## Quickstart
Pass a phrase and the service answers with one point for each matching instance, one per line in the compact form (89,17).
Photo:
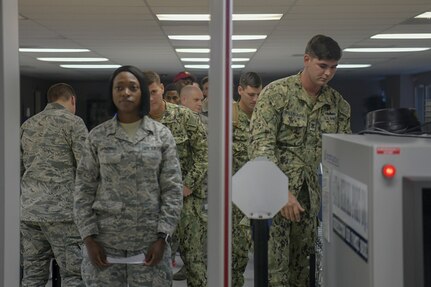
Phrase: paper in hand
(136,259)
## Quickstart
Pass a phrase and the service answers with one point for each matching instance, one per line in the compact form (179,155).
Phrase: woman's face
(126,93)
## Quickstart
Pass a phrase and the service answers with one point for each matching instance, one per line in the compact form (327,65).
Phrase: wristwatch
(166,237)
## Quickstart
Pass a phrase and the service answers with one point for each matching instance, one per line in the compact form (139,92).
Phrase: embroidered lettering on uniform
(330,115)
(150,148)
(293,114)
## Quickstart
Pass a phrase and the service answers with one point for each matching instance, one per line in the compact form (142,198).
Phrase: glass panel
(419,102)
(426,207)
(427,108)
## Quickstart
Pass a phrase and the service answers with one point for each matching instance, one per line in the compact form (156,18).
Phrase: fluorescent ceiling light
(73,59)
(208,66)
(195,59)
(208,37)
(352,66)
(386,50)
(403,36)
(208,59)
(206,50)
(51,50)
(192,50)
(248,37)
(256,17)
(244,50)
(206,17)
(183,17)
(90,66)
(197,66)
(426,15)
(190,37)
(240,59)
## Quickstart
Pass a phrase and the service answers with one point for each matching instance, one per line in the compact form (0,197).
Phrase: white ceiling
(128,32)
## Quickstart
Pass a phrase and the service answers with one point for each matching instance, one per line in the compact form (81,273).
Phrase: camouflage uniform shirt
(127,190)
(51,145)
(192,146)
(287,127)
(240,136)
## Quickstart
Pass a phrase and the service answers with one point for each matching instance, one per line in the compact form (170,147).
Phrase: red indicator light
(389,171)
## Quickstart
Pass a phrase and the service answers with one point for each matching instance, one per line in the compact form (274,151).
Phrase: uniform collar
(55,106)
(114,128)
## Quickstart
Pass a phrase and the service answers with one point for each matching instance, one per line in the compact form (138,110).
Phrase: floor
(248,275)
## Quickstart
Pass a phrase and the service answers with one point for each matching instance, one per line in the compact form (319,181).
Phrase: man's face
(320,72)
(156,96)
(193,100)
(172,97)
(249,97)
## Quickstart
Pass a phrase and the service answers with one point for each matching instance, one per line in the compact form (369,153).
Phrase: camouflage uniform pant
(241,244)
(290,246)
(127,275)
(175,244)
(192,231)
(42,241)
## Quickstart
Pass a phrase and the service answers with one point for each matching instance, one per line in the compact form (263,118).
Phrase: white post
(9,144)
(220,145)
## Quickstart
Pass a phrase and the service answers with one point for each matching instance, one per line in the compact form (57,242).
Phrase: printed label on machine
(351,238)
(350,202)
(350,211)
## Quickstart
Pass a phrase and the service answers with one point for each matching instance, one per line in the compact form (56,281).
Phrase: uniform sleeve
(344,118)
(264,125)
(21,162)
(170,185)
(87,180)
(199,151)
(79,134)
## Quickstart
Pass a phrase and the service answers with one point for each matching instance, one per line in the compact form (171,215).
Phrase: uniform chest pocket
(292,130)
(109,157)
(109,165)
(328,123)
(151,158)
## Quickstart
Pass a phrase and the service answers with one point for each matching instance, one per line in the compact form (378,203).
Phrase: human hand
(96,253)
(186,191)
(292,210)
(155,253)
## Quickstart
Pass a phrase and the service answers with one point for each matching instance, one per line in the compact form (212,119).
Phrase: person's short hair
(60,91)
(323,48)
(184,75)
(145,94)
(170,87)
(250,79)
(152,77)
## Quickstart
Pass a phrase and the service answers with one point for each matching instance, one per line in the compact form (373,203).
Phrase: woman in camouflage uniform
(128,191)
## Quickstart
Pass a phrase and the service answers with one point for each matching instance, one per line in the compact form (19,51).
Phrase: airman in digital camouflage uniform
(128,191)
(287,126)
(51,145)
(192,147)
(249,89)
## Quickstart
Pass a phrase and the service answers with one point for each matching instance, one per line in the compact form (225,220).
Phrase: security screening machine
(259,189)
(376,198)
